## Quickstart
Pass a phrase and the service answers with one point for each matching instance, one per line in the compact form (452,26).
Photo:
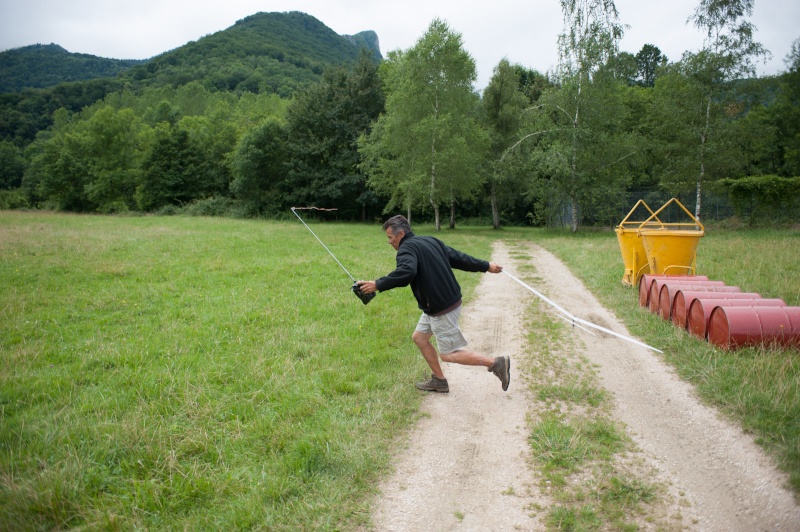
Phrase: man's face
(394,239)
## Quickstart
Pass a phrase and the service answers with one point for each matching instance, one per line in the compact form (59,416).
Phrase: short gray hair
(397,223)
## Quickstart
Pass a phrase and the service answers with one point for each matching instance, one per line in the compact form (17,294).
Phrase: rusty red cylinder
(683,300)
(701,308)
(666,294)
(647,279)
(732,327)
(658,284)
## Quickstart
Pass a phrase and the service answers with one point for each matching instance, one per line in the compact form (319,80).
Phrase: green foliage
(266,52)
(89,164)
(274,53)
(12,165)
(578,164)
(324,124)
(767,198)
(179,168)
(13,199)
(427,147)
(259,168)
(590,141)
(24,114)
(587,148)
(46,65)
(649,62)
(784,113)
(503,102)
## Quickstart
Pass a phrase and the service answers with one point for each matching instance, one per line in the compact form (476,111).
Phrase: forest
(239,125)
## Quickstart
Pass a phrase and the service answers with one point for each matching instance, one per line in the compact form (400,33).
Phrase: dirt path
(467,465)
(469,457)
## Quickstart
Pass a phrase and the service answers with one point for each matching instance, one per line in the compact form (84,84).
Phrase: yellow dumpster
(671,248)
(634,256)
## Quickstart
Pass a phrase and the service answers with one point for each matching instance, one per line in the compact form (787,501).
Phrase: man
(426,263)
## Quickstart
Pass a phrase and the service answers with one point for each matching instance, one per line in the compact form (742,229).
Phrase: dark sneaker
(502,368)
(435,384)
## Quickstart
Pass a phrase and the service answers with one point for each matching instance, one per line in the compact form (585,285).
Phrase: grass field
(758,388)
(174,373)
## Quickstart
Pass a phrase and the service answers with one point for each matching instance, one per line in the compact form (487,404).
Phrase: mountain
(46,65)
(276,52)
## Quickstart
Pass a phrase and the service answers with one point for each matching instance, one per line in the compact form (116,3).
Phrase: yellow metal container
(634,256)
(671,248)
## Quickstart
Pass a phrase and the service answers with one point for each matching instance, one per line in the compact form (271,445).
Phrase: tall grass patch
(171,372)
(757,387)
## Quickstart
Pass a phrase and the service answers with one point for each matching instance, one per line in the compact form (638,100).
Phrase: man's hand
(367,287)
(494,268)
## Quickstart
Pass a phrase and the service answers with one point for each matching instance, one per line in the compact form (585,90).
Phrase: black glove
(365,298)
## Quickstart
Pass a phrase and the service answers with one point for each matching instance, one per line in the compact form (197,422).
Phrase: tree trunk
(495,214)
(574,205)
(452,214)
(703,138)
(437,217)
(699,191)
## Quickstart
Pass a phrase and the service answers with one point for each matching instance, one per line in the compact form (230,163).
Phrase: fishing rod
(575,320)
(365,298)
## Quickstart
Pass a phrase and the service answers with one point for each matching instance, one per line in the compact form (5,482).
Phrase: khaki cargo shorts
(445,329)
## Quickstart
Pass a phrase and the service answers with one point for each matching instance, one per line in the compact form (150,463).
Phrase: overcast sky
(523,31)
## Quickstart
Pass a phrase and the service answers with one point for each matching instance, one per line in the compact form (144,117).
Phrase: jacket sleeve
(468,263)
(402,275)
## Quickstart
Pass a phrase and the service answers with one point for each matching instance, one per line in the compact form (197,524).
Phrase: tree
(12,165)
(648,62)
(323,126)
(503,104)
(259,168)
(785,115)
(113,150)
(429,138)
(792,59)
(176,170)
(580,117)
(59,168)
(87,162)
(729,52)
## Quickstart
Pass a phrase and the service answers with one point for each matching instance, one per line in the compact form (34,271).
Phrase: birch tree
(729,52)
(429,143)
(581,130)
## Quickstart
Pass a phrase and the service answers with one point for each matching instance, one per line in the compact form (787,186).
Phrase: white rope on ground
(575,319)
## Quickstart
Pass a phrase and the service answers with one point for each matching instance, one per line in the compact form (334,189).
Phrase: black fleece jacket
(426,263)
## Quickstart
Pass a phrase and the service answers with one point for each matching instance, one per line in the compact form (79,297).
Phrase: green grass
(196,373)
(757,387)
(178,373)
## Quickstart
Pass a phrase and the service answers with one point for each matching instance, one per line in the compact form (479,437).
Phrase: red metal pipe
(732,327)
(646,280)
(683,300)
(666,294)
(701,308)
(658,284)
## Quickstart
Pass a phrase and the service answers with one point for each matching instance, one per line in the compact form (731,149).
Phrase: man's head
(396,228)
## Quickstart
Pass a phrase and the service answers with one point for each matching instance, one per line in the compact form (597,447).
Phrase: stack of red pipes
(721,314)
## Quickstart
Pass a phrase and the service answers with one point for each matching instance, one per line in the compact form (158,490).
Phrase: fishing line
(365,298)
(294,210)
(575,319)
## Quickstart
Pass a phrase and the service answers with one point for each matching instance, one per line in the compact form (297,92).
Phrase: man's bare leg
(423,342)
(467,358)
